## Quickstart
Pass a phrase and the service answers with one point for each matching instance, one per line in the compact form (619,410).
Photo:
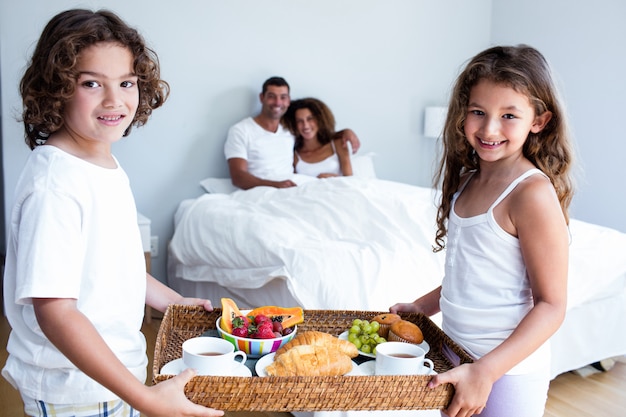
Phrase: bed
(364,243)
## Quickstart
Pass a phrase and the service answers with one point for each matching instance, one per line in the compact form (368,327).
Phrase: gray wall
(377,64)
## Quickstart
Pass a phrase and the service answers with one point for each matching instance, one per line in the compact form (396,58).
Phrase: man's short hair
(275,81)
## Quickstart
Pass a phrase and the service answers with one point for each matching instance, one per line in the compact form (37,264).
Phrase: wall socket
(154,246)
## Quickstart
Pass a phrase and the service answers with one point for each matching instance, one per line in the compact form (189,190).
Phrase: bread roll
(310,360)
(316,338)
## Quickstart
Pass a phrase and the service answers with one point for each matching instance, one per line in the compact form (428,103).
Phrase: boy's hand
(169,400)
(187,301)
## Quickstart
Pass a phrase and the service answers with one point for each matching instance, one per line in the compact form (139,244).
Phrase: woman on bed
(316,153)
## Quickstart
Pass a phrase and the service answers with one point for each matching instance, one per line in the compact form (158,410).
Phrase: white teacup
(398,358)
(212,356)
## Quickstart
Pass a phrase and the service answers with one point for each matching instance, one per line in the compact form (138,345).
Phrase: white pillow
(218,185)
(363,165)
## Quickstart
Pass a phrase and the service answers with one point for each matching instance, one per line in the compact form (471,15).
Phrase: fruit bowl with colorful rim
(255,348)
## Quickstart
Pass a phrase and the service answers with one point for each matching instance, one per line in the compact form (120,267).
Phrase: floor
(598,395)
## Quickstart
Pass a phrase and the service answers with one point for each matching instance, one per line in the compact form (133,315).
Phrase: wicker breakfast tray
(306,393)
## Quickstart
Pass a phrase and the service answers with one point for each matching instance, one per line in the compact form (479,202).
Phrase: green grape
(375,326)
(364,335)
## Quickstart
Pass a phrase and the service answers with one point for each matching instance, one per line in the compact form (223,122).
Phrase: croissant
(316,338)
(309,360)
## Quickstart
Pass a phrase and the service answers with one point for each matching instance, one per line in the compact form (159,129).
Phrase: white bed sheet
(339,243)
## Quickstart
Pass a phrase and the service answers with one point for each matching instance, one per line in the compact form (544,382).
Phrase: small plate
(262,363)
(177,366)
(344,336)
(369,369)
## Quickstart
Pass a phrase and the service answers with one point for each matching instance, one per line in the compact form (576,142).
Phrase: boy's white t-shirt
(73,234)
(269,155)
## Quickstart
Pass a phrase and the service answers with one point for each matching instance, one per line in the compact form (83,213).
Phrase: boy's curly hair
(50,79)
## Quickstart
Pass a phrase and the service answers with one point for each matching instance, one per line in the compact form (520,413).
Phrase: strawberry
(261,318)
(264,324)
(255,330)
(240,332)
(241,321)
(265,333)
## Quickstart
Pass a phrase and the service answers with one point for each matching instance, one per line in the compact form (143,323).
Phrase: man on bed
(259,150)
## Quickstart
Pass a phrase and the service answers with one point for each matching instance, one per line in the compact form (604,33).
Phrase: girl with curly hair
(503,221)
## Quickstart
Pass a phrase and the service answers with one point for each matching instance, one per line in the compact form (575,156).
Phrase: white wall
(585,43)
(377,64)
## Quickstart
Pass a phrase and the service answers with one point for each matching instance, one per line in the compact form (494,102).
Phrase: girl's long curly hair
(321,113)
(50,79)
(524,69)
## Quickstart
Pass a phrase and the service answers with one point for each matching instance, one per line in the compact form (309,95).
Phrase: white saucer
(262,363)
(177,366)
(369,369)
(424,345)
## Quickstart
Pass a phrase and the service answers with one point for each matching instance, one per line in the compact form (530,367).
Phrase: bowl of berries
(259,331)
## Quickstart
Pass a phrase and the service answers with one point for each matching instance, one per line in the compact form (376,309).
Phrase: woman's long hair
(321,113)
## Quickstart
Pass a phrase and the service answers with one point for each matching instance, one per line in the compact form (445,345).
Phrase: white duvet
(351,243)
(339,243)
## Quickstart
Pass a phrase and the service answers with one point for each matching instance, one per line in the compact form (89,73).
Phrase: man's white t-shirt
(73,235)
(269,154)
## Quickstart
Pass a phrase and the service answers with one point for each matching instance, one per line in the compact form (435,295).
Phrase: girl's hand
(405,308)
(471,387)
(427,304)
(168,399)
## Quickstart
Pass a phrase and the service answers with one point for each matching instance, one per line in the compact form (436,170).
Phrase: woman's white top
(486,291)
(329,165)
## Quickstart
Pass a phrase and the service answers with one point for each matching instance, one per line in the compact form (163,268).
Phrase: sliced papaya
(288,316)
(229,312)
